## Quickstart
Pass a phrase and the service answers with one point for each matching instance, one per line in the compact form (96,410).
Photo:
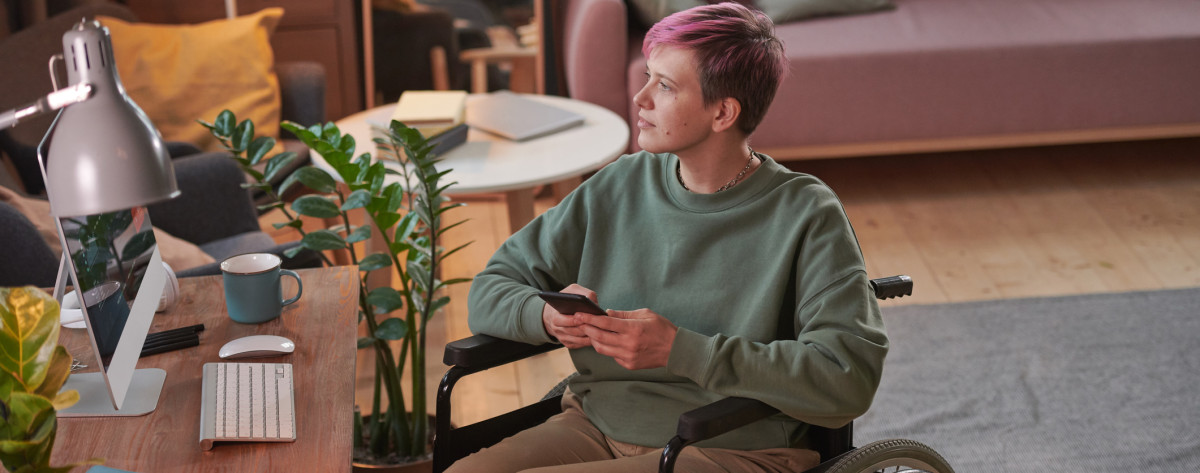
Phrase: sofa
(937,75)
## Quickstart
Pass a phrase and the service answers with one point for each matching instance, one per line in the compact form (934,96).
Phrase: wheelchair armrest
(892,286)
(710,421)
(720,417)
(481,352)
(734,412)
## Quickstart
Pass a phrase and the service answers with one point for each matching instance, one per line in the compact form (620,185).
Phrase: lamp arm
(51,102)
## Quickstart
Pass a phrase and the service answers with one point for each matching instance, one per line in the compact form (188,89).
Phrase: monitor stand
(95,401)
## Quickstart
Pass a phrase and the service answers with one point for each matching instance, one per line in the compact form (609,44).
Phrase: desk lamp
(103,156)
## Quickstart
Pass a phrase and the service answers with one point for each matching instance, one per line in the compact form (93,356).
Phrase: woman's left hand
(637,339)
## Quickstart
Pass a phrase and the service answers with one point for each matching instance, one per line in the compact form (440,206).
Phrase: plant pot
(424,465)
(420,466)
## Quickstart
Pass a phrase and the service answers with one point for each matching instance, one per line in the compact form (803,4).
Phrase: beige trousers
(569,443)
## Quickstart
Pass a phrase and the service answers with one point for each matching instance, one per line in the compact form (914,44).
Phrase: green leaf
(357,200)
(448,227)
(419,274)
(454,281)
(394,192)
(375,175)
(138,244)
(364,342)
(28,335)
(363,164)
(304,134)
(347,144)
(28,429)
(243,135)
(224,124)
(386,219)
(391,329)
(373,262)
(398,247)
(405,228)
(385,299)
(438,304)
(316,206)
(321,240)
(56,374)
(276,164)
(291,252)
(330,132)
(448,253)
(259,148)
(441,210)
(258,176)
(297,224)
(313,178)
(359,234)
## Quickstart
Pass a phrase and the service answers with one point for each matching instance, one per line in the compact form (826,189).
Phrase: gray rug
(1094,383)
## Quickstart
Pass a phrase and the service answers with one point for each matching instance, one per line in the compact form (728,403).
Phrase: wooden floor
(966,226)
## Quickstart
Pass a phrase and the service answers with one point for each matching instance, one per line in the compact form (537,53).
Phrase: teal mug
(253,293)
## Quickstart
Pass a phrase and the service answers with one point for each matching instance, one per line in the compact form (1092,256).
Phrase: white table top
(489,163)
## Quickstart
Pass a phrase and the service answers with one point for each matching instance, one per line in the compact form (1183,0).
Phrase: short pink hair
(738,52)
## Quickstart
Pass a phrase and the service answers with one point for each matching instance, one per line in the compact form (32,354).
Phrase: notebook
(430,107)
(518,118)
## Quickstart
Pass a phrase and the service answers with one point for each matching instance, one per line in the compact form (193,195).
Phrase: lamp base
(95,401)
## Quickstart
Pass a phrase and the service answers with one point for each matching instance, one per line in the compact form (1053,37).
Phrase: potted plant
(407,216)
(33,367)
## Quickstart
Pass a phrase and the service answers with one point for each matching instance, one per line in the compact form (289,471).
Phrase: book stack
(437,114)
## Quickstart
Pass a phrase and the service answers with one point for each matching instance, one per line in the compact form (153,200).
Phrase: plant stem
(272,195)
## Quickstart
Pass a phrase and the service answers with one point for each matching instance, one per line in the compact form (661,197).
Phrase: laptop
(518,118)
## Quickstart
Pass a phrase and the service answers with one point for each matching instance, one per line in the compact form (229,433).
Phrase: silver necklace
(731,183)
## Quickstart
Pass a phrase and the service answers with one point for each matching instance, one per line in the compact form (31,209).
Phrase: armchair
(482,352)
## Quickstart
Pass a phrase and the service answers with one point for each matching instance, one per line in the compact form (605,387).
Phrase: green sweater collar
(749,189)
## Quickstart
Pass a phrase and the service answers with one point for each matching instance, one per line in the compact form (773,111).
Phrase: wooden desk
(323,323)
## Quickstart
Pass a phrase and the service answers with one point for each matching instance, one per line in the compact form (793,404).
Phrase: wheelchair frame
(482,352)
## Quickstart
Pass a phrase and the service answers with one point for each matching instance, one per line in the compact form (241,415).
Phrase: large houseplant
(33,367)
(407,216)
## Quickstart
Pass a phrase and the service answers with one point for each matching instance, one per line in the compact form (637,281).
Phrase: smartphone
(568,304)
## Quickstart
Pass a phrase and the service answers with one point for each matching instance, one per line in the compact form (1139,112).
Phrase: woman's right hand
(566,327)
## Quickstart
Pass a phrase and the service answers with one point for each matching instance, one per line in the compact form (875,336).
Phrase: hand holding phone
(567,304)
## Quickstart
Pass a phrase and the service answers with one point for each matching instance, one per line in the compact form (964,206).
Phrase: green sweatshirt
(765,281)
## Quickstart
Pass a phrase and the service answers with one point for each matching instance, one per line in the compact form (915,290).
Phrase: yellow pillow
(179,74)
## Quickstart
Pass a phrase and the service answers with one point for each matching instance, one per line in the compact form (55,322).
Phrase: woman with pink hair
(724,274)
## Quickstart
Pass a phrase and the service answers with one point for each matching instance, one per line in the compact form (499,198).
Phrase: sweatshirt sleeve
(834,364)
(503,299)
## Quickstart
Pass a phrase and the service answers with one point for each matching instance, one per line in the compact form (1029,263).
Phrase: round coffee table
(488,163)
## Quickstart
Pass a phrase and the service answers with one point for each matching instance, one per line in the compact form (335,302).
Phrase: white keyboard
(247,402)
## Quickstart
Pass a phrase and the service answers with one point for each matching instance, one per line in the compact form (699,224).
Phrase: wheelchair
(481,352)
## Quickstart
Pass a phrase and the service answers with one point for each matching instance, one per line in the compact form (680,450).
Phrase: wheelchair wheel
(892,456)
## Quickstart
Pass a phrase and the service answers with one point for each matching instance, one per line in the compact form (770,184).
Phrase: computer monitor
(118,275)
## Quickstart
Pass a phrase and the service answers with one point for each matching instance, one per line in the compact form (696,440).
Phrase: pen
(181,330)
(171,347)
(168,340)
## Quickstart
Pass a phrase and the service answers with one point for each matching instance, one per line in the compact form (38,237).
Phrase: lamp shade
(103,154)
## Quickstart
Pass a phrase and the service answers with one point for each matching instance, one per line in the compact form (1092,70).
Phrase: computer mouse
(256,346)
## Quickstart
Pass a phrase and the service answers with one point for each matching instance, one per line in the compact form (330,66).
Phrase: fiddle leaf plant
(33,368)
(403,206)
